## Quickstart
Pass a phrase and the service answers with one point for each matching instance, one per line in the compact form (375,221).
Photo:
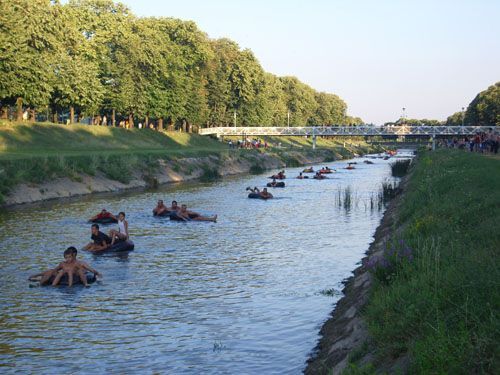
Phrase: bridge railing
(360,130)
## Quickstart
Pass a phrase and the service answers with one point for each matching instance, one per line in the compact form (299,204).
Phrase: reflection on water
(243,295)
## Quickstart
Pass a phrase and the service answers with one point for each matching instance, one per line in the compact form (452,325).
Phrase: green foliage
(415,122)
(256,169)
(441,306)
(485,108)
(209,173)
(400,167)
(97,58)
(456,119)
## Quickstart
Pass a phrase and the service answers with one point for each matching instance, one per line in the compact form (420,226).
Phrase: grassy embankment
(436,296)
(38,152)
(340,146)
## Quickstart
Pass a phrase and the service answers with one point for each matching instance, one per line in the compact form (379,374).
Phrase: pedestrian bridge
(347,131)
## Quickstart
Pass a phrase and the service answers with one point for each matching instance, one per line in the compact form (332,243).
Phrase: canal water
(247,294)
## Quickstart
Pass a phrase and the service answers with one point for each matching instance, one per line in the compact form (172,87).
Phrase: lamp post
(404,115)
(234,118)
(288,120)
(463,115)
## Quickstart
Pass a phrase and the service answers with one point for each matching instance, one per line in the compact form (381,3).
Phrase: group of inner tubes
(320,174)
(180,213)
(73,271)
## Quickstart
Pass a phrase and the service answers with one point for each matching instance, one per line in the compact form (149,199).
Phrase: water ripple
(238,296)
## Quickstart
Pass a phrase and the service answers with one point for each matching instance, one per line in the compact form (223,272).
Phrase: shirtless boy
(186,215)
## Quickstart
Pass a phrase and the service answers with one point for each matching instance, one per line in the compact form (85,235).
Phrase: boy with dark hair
(101,240)
(69,267)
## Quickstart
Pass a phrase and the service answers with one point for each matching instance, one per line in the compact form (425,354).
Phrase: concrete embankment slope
(42,162)
(426,298)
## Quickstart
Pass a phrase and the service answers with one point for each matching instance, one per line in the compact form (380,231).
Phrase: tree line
(96,58)
(484,110)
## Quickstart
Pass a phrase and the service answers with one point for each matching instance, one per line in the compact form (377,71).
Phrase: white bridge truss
(348,131)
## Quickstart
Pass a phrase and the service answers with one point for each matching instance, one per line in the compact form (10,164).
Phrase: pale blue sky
(431,57)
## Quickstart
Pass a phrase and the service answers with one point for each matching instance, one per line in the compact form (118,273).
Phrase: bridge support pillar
(314,142)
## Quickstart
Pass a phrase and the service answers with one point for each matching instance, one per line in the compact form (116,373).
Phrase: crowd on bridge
(482,142)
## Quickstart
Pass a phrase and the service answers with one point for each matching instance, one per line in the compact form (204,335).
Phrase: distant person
(100,240)
(174,207)
(186,215)
(160,208)
(263,194)
(122,233)
(104,214)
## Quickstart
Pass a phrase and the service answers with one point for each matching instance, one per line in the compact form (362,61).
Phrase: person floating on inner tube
(69,267)
(103,215)
(186,215)
(160,208)
(280,175)
(264,193)
(300,177)
(122,233)
(101,240)
(175,207)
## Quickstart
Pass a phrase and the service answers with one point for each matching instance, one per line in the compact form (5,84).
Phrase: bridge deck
(361,130)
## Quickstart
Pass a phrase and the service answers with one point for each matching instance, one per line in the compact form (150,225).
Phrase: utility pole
(288,121)
(234,118)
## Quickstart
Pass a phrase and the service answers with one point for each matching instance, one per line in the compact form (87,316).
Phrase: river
(247,294)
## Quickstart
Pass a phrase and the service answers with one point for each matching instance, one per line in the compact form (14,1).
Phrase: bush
(209,174)
(400,167)
(256,169)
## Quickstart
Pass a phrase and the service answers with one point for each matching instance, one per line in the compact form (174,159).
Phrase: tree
(299,100)
(76,71)
(28,45)
(95,57)
(455,119)
(484,110)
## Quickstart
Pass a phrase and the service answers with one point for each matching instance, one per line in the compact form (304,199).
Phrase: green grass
(34,153)
(344,146)
(439,303)
(25,140)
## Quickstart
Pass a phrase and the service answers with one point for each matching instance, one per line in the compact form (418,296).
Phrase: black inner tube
(104,220)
